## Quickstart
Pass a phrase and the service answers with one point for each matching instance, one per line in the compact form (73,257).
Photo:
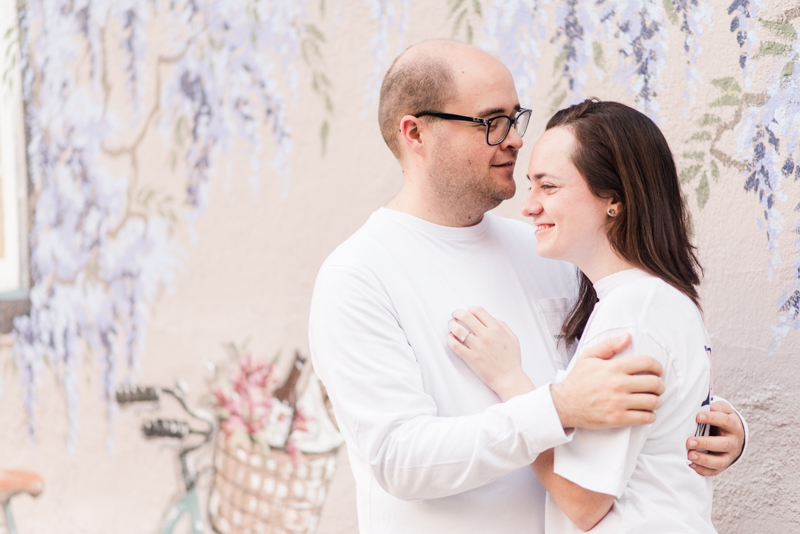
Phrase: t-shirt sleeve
(361,354)
(603,460)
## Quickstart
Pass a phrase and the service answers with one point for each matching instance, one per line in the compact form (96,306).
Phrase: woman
(605,196)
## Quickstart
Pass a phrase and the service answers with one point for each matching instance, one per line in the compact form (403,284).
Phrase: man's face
(465,171)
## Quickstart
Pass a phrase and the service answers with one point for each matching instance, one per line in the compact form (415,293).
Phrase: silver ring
(464,341)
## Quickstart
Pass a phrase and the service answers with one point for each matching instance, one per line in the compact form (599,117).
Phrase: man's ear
(411,133)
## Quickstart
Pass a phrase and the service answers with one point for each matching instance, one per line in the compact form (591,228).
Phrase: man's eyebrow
(496,111)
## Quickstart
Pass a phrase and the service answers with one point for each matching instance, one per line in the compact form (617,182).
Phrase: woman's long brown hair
(623,156)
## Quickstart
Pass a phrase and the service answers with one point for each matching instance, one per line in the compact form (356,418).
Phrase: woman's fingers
(458,330)
(482,315)
(469,319)
(455,344)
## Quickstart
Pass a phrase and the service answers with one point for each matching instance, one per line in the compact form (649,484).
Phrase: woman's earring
(611,211)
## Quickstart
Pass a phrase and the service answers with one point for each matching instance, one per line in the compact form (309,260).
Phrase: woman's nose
(531,206)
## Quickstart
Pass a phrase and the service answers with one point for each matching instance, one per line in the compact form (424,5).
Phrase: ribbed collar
(421,225)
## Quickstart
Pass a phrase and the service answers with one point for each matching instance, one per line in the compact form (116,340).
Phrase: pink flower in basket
(244,401)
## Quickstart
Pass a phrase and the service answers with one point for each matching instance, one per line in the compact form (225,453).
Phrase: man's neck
(421,206)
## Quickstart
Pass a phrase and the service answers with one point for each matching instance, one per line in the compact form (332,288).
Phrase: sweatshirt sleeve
(361,354)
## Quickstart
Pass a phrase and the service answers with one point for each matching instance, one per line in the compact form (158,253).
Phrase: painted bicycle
(13,483)
(184,432)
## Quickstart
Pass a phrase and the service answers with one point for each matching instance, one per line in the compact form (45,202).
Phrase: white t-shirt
(645,467)
(431,447)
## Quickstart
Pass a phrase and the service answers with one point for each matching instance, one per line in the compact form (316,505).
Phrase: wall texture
(192,163)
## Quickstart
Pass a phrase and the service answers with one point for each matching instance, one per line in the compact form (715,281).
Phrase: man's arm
(726,444)
(596,394)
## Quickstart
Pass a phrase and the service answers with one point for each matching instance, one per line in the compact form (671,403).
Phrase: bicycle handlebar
(128,394)
(166,428)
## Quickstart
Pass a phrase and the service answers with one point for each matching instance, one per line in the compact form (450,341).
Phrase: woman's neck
(603,263)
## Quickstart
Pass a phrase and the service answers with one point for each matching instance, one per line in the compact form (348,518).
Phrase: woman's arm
(584,508)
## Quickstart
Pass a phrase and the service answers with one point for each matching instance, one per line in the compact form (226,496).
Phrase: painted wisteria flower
(101,240)
(392,16)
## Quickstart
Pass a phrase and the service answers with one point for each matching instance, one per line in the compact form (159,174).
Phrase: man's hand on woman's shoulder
(605,393)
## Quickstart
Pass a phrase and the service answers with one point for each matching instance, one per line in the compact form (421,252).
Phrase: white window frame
(14,266)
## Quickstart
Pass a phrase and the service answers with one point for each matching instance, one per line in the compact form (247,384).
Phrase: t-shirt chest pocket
(553,312)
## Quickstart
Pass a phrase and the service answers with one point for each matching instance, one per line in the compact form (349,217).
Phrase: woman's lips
(541,227)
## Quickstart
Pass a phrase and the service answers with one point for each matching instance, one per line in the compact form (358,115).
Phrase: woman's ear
(613,208)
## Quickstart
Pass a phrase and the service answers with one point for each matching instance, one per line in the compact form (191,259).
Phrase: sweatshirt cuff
(538,420)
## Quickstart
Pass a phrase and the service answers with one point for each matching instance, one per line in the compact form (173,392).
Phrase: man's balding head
(420,79)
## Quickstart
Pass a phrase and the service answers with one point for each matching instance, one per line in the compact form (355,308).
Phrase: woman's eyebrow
(540,175)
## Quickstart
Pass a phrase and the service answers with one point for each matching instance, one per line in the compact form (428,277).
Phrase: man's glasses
(497,128)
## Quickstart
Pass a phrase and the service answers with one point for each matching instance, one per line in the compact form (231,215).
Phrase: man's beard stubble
(464,190)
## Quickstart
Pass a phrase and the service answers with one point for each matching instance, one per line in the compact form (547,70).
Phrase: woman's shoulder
(646,302)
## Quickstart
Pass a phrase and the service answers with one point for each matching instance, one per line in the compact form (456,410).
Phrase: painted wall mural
(101,241)
(205,76)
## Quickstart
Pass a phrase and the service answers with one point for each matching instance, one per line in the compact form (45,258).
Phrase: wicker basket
(254,494)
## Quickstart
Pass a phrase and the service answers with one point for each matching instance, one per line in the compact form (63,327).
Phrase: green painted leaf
(315,32)
(727,84)
(560,59)
(671,13)
(784,30)
(456,5)
(788,69)
(323,136)
(700,156)
(700,136)
(702,191)
(599,60)
(725,100)
(709,119)
(688,174)
(324,79)
(477,6)
(714,170)
(773,48)
(458,21)
(469,33)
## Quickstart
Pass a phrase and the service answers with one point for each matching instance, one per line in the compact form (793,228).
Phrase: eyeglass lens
(499,127)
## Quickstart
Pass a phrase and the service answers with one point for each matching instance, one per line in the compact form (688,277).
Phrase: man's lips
(506,164)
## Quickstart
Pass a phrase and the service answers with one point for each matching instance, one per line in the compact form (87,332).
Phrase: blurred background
(174,172)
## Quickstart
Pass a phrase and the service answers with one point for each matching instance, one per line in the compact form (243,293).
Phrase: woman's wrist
(510,387)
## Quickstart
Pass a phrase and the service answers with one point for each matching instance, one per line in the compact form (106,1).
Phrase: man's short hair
(425,83)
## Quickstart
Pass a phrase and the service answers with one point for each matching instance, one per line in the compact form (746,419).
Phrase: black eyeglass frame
(513,121)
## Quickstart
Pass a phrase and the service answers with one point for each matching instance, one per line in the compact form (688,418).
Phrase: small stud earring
(611,211)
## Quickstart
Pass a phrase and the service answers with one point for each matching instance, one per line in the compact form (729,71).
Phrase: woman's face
(570,221)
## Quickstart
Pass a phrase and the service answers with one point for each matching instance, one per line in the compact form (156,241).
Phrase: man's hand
(724,447)
(609,394)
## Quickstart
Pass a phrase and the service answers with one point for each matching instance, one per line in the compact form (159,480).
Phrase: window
(14,273)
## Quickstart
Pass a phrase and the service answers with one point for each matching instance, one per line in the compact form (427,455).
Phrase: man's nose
(513,139)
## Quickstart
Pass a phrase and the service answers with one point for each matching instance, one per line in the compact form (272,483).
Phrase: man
(431,448)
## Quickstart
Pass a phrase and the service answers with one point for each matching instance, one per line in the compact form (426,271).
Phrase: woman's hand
(491,349)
